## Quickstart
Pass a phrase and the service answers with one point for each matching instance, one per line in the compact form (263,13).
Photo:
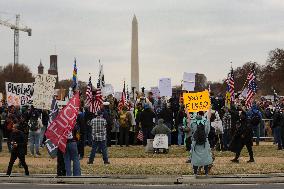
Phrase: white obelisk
(134,56)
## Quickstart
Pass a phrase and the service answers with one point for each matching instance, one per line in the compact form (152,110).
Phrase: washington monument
(134,56)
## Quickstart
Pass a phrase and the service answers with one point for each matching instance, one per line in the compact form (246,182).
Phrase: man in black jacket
(243,137)
(17,139)
(147,120)
(277,124)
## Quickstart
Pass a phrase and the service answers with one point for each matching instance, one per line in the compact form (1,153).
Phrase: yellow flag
(196,102)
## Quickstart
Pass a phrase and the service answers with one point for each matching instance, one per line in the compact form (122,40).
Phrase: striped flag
(89,96)
(231,84)
(123,101)
(140,135)
(251,79)
(75,79)
(98,95)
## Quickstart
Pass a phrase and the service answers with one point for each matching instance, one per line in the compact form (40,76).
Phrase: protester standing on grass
(227,129)
(200,148)
(125,122)
(17,139)
(71,153)
(99,138)
(35,125)
(147,120)
(255,117)
(243,137)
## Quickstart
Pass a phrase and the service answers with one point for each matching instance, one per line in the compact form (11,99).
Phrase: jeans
(226,139)
(42,135)
(180,135)
(101,145)
(71,154)
(277,136)
(256,133)
(34,141)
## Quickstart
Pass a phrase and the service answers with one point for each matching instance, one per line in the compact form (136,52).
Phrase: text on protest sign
(64,123)
(43,91)
(195,102)
(19,94)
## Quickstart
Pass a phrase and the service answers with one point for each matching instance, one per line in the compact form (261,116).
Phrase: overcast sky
(174,36)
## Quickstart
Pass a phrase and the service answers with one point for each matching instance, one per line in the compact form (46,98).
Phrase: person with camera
(17,139)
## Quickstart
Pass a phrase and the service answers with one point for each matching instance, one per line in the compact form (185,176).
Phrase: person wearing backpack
(277,123)
(201,155)
(35,125)
(255,118)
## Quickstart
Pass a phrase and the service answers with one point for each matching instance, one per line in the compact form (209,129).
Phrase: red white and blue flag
(251,79)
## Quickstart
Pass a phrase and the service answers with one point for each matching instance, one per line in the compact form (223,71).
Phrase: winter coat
(161,128)
(201,154)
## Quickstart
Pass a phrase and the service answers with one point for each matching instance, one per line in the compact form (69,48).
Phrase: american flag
(98,95)
(231,84)
(140,135)
(89,96)
(251,79)
(123,100)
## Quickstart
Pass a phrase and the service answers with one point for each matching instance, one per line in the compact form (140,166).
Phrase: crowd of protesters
(221,128)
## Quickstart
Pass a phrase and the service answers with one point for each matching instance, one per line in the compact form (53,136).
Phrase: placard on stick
(196,102)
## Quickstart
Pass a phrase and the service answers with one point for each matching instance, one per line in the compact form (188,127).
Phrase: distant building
(53,67)
(40,68)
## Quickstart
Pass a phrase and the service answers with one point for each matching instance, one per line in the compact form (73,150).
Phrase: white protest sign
(19,94)
(107,90)
(188,83)
(165,87)
(155,91)
(117,95)
(160,141)
(43,91)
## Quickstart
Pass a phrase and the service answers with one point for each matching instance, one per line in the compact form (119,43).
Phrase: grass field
(134,161)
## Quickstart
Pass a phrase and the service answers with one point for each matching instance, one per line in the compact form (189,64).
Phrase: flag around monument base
(63,123)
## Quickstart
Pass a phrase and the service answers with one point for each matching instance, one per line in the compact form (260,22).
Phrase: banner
(51,148)
(155,91)
(64,123)
(188,83)
(196,102)
(43,91)
(165,87)
(19,94)
(107,90)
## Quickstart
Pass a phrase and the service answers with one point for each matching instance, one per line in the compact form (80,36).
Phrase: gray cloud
(174,36)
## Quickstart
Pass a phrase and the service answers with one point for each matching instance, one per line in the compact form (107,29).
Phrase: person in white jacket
(35,125)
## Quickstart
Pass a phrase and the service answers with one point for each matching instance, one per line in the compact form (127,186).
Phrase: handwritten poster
(44,91)
(107,90)
(195,102)
(155,91)
(19,94)
(165,87)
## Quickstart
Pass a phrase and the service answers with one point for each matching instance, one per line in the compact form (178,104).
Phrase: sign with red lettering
(64,123)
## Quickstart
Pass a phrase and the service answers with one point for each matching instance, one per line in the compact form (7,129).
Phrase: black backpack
(199,135)
(34,125)
(255,119)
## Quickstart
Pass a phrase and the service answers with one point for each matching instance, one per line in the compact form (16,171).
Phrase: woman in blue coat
(200,149)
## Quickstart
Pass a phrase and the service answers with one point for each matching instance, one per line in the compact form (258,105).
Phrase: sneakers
(188,161)
(107,162)
(235,160)
(250,161)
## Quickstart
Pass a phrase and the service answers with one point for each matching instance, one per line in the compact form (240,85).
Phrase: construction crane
(16,29)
